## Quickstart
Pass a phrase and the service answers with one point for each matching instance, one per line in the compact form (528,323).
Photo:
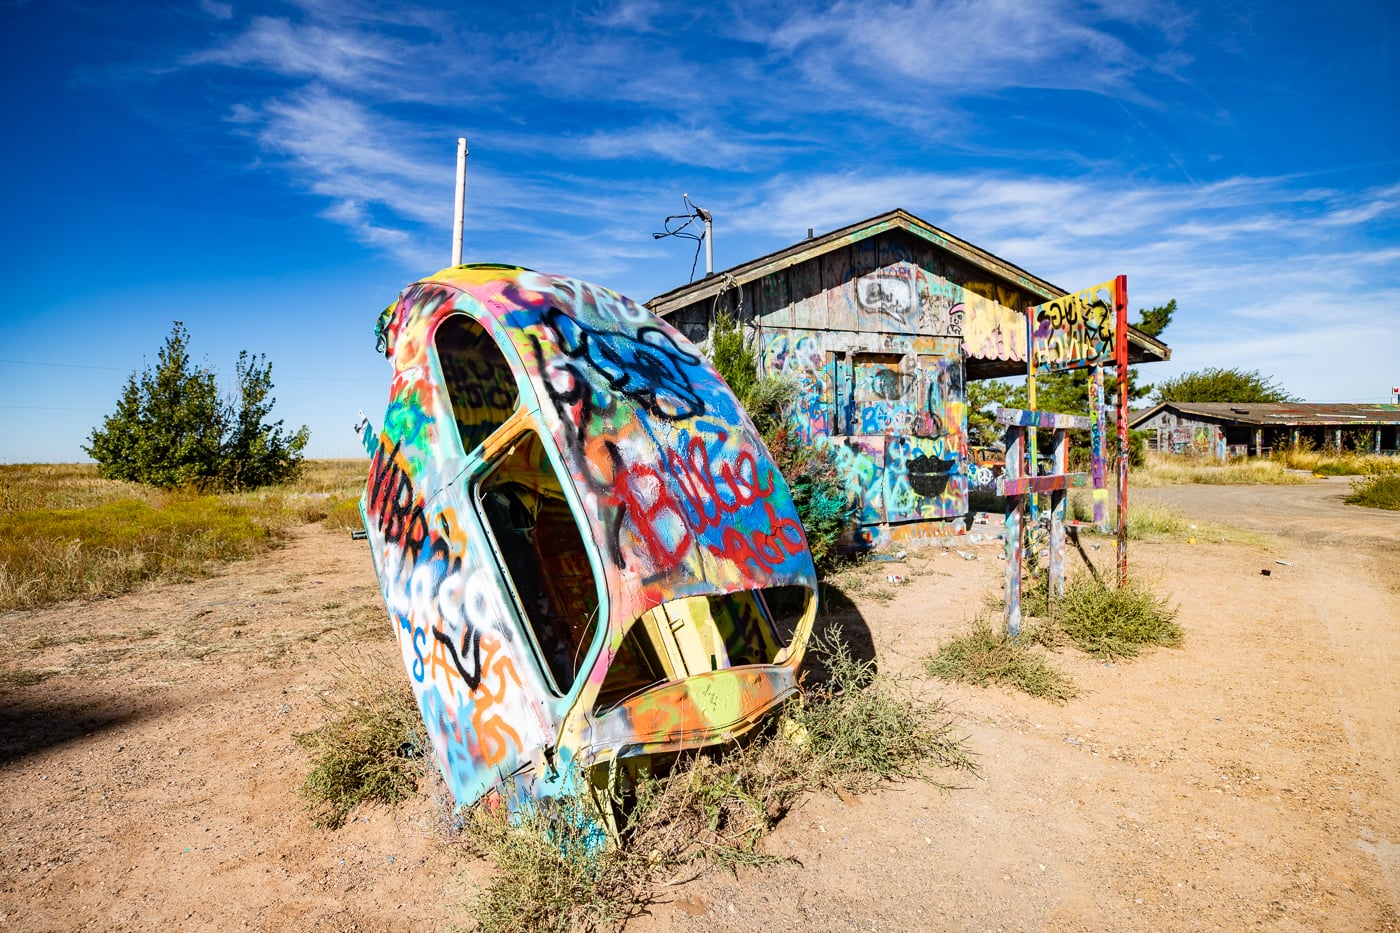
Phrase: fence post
(1014,453)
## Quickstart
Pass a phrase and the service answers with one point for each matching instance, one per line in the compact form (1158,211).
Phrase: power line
(64,365)
(119,369)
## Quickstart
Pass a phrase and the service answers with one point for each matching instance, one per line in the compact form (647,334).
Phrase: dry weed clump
(1111,622)
(983,657)
(1377,492)
(712,807)
(372,751)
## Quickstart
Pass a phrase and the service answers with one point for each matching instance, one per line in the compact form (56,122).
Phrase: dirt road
(1246,779)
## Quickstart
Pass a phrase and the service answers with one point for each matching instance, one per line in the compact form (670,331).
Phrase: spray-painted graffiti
(577,472)
(887,297)
(1073,331)
(992,331)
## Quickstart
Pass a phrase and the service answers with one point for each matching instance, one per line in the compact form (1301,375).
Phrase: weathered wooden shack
(1219,430)
(880,325)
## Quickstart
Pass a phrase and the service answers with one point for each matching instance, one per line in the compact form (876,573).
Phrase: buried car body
(586,551)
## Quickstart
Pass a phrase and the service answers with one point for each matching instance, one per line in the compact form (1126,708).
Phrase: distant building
(880,325)
(1236,429)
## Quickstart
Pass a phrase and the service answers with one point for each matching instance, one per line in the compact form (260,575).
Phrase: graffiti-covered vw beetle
(586,551)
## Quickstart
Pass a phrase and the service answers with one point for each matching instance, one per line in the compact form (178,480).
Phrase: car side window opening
(477,378)
(538,539)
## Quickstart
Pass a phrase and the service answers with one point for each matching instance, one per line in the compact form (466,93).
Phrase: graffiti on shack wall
(556,466)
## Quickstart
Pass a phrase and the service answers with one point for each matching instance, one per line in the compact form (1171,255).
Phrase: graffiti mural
(1073,331)
(991,331)
(582,543)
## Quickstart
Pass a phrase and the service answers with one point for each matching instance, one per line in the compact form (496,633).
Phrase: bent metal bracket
(587,554)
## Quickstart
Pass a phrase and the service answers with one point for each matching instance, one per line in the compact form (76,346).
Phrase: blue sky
(271,174)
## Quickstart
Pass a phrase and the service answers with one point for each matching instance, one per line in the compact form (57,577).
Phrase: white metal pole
(460,204)
(709,247)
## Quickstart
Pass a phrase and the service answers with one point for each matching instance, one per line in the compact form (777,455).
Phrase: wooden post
(1120,300)
(1058,500)
(1097,446)
(1032,446)
(1014,507)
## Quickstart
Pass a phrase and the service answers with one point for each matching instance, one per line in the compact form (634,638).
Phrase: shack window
(879,394)
(538,540)
(477,378)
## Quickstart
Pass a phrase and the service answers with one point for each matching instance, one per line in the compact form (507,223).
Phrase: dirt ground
(1248,779)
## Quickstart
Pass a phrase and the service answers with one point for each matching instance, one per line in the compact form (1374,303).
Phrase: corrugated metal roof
(1340,414)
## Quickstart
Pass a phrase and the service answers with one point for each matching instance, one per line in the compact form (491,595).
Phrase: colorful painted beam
(1052,482)
(1042,419)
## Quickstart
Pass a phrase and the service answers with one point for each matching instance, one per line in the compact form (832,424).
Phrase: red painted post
(1120,353)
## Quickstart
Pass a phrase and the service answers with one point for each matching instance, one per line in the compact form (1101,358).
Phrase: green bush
(1379,492)
(983,657)
(1114,622)
(171,429)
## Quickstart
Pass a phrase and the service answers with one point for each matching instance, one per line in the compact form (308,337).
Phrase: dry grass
(1171,470)
(1148,521)
(1330,463)
(49,555)
(66,533)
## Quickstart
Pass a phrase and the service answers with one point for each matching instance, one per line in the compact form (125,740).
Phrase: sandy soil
(1250,778)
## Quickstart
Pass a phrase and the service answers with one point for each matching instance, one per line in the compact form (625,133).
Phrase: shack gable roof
(1141,347)
(1267,414)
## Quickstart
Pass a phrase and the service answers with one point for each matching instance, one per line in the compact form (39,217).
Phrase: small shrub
(372,750)
(714,806)
(1377,492)
(983,657)
(862,727)
(1111,622)
(550,872)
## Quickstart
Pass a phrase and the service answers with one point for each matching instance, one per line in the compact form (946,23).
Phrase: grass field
(67,533)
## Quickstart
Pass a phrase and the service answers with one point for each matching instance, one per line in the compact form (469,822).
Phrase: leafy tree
(733,357)
(171,429)
(1215,384)
(255,452)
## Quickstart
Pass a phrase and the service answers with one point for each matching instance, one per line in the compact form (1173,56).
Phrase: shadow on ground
(29,725)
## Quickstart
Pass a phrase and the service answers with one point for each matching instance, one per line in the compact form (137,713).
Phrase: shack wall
(876,336)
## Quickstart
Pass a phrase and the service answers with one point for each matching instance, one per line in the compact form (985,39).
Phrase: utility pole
(460,204)
(709,240)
